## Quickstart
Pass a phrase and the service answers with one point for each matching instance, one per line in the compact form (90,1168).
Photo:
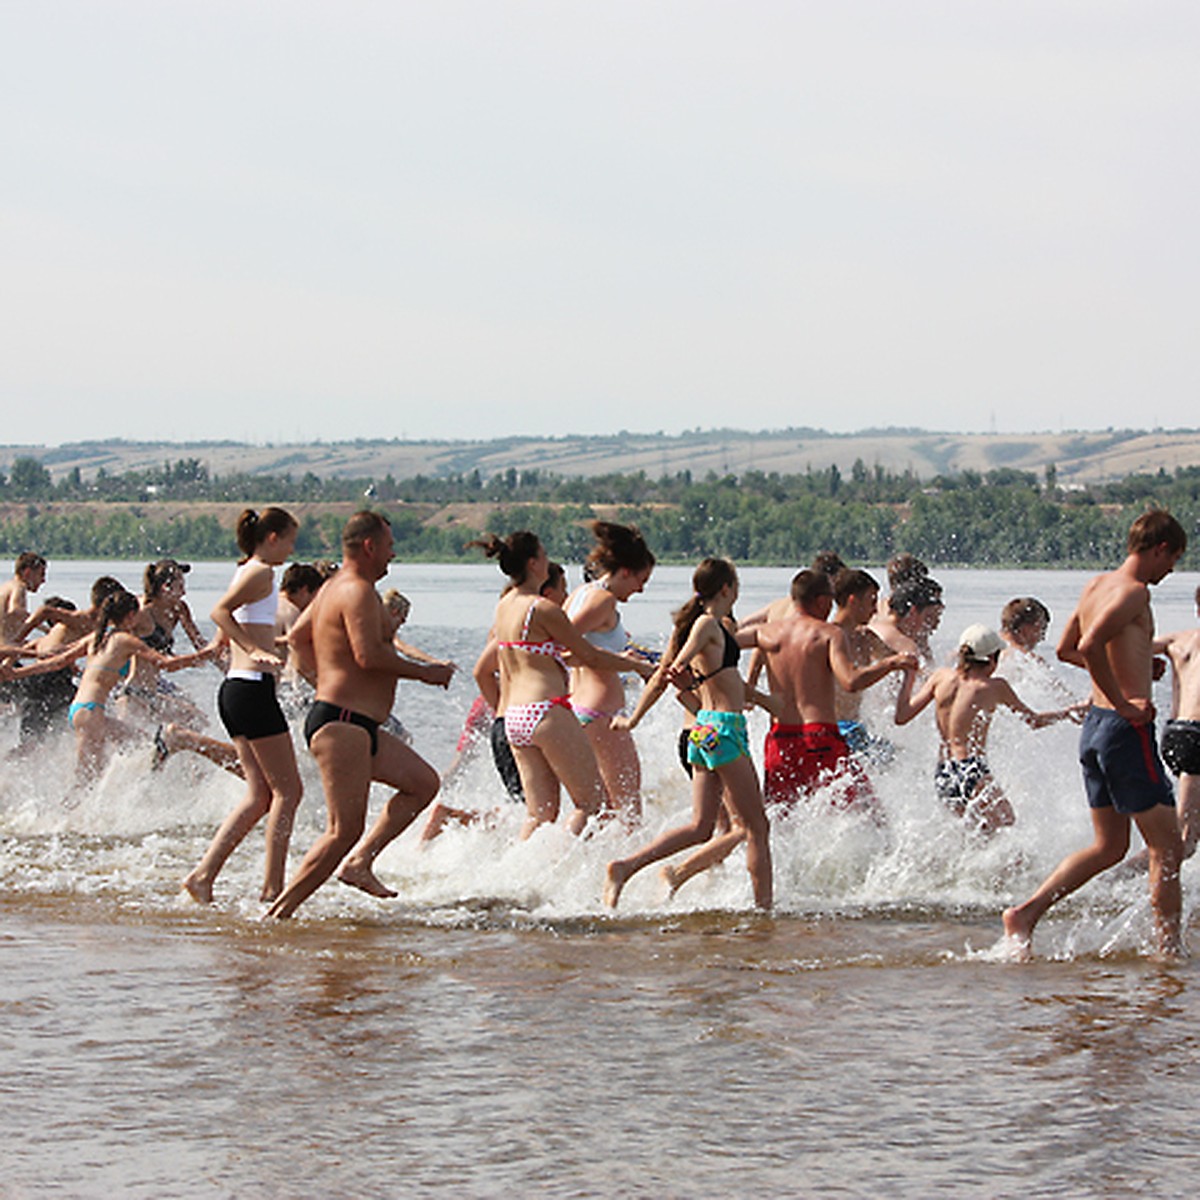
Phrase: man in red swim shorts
(805,654)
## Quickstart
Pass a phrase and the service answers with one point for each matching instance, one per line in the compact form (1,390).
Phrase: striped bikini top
(554,650)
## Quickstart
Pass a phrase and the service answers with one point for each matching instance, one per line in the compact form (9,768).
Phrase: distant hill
(1078,457)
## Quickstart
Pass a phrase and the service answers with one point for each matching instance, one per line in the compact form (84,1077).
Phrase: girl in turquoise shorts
(702,657)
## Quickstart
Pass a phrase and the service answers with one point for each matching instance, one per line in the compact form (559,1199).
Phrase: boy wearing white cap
(965,698)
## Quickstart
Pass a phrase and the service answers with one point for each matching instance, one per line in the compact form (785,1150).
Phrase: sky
(291,221)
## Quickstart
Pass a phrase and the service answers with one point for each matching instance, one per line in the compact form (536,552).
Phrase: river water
(494,1031)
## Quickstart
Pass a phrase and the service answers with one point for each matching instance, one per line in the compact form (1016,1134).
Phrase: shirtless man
(1111,634)
(1181,737)
(965,698)
(808,657)
(29,574)
(857,597)
(914,611)
(344,640)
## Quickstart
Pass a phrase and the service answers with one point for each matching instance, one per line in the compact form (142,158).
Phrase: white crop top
(257,612)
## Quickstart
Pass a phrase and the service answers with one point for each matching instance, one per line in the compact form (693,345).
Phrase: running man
(344,639)
(1111,634)
(1181,737)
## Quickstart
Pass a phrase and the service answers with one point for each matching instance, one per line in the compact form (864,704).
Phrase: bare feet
(198,889)
(617,876)
(672,880)
(1018,932)
(365,880)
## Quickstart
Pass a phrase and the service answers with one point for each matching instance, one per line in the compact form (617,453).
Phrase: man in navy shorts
(1111,635)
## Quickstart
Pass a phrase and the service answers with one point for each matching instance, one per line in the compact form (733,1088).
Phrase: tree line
(1003,517)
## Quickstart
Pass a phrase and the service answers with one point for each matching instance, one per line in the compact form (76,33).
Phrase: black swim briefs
(323,713)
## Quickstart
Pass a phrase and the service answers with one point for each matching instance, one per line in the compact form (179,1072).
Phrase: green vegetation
(1004,517)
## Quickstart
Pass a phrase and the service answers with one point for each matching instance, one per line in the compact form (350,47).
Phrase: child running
(966,697)
(703,656)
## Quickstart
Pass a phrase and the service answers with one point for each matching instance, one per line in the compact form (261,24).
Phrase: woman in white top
(249,708)
(618,567)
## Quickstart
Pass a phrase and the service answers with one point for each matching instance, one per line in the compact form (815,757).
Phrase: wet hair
(809,585)
(253,528)
(1156,528)
(513,552)
(363,525)
(707,580)
(828,562)
(904,568)
(852,582)
(556,577)
(1024,610)
(397,603)
(617,546)
(114,608)
(28,560)
(299,576)
(105,586)
(916,593)
(159,574)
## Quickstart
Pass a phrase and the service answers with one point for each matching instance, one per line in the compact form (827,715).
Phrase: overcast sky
(300,220)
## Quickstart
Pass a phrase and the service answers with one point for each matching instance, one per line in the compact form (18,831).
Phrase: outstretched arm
(908,705)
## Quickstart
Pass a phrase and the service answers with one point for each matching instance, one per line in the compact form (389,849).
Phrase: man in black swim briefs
(343,643)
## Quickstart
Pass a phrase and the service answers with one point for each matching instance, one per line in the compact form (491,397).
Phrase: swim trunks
(798,759)
(717,739)
(506,765)
(323,713)
(861,742)
(1121,766)
(956,780)
(1181,747)
(249,708)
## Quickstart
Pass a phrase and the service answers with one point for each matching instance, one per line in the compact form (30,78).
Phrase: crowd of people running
(317,647)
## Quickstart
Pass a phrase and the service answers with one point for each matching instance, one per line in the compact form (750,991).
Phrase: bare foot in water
(1019,935)
(365,880)
(616,878)
(199,891)
(672,881)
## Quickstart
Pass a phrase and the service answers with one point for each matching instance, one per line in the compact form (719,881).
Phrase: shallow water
(495,1030)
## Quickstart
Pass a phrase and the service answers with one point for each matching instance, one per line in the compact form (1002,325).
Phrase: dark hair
(253,528)
(514,552)
(904,568)
(617,546)
(1024,610)
(114,608)
(809,585)
(828,562)
(59,602)
(27,560)
(707,580)
(852,582)
(105,586)
(158,574)
(916,593)
(1156,528)
(554,577)
(299,576)
(363,525)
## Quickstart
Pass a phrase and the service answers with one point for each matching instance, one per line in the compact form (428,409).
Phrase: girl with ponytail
(702,658)
(248,706)
(618,567)
(532,635)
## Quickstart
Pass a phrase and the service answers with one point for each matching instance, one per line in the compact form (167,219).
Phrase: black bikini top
(733,652)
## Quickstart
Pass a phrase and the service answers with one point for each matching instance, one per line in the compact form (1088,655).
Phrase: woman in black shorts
(249,708)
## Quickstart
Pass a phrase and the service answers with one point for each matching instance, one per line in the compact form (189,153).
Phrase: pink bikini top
(554,650)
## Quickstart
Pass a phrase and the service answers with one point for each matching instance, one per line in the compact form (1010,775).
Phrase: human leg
(416,783)
(620,768)
(706,800)
(742,787)
(567,751)
(1189,812)
(1109,844)
(343,755)
(276,759)
(541,788)
(254,805)
(1159,827)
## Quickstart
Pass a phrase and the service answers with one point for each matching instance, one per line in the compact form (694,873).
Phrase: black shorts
(248,708)
(506,765)
(1181,747)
